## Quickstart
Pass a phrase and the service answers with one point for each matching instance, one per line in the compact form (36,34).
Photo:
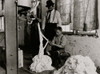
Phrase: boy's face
(58,32)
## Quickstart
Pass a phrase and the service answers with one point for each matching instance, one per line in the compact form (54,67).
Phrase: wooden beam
(11,37)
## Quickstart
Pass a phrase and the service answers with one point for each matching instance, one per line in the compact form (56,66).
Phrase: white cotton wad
(41,62)
(78,65)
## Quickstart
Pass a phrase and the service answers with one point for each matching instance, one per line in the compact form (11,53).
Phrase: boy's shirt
(60,40)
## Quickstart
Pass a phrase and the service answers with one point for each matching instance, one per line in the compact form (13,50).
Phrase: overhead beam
(11,36)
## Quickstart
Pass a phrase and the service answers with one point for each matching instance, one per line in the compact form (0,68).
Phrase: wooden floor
(21,71)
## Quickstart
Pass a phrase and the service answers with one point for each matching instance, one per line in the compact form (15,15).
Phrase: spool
(24,3)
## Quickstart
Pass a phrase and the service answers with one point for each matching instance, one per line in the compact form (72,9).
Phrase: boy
(57,52)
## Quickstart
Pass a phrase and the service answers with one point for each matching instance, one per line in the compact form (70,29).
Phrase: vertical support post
(11,36)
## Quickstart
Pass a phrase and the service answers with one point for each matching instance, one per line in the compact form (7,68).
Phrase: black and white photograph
(49,37)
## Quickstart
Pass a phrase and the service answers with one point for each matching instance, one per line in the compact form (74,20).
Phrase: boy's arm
(52,42)
(63,43)
(59,46)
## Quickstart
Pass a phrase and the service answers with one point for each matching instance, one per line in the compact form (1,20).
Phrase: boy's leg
(59,61)
(54,56)
(63,57)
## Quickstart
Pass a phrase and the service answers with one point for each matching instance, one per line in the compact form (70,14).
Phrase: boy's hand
(53,44)
(50,43)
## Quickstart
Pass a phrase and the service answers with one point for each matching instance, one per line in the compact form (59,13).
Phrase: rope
(41,36)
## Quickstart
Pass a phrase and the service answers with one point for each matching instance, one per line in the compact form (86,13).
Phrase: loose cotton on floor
(77,65)
(41,64)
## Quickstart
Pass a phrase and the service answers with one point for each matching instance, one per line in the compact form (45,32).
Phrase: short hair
(59,28)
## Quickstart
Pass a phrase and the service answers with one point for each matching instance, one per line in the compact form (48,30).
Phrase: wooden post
(1,13)
(11,36)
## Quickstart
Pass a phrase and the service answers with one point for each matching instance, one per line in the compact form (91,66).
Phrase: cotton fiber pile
(41,62)
(77,65)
